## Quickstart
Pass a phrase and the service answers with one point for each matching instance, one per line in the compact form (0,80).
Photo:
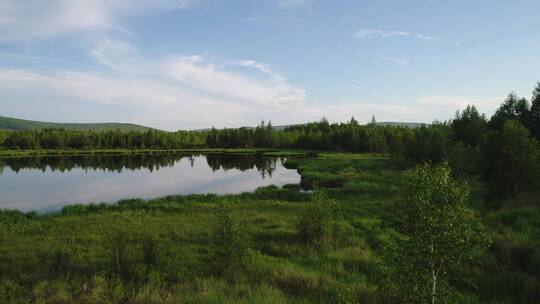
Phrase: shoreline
(119,152)
(42,153)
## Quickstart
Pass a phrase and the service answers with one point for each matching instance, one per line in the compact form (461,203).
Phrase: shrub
(313,224)
(51,292)
(10,292)
(295,282)
(132,256)
(229,243)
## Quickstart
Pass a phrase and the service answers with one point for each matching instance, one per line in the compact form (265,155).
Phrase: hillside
(402,124)
(411,125)
(15,124)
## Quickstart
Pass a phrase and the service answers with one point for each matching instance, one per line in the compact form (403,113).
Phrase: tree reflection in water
(265,165)
(118,163)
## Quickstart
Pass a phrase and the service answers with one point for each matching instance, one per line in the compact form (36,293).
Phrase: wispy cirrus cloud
(378,33)
(195,91)
(115,54)
(179,92)
(173,91)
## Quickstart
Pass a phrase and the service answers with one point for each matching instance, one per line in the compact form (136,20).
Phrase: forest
(448,212)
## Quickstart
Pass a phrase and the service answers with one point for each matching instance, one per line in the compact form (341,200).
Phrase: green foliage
(111,139)
(513,108)
(534,124)
(3,135)
(10,292)
(464,160)
(428,144)
(133,255)
(511,160)
(438,236)
(314,223)
(469,126)
(511,273)
(230,243)
(317,135)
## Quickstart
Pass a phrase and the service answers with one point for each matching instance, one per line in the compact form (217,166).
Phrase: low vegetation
(270,246)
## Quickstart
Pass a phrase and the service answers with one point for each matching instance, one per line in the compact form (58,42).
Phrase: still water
(48,183)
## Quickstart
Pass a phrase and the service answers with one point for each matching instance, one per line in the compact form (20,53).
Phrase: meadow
(273,245)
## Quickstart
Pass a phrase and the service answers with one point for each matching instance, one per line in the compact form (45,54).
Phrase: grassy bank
(75,152)
(247,248)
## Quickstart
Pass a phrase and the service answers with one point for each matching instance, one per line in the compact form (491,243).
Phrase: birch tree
(437,236)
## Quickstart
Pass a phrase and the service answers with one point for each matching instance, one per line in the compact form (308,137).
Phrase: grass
(162,250)
(73,152)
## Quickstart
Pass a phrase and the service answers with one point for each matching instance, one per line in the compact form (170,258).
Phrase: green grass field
(164,250)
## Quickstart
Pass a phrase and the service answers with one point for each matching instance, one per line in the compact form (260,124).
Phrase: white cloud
(401,61)
(200,74)
(423,109)
(448,104)
(377,33)
(197,91)
(115,54)
(43,19)
(193,92)
(171,92)
(289,3)
(28,20)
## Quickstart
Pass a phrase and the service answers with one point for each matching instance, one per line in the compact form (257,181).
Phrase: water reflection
(243,162)
(118,163)
(47,183)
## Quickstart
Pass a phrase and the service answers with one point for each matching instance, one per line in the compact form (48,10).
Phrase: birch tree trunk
(433,274)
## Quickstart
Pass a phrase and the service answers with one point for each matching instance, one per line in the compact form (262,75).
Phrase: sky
(189,64)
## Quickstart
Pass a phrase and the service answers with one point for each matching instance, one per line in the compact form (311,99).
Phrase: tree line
(112,139)
(322,135)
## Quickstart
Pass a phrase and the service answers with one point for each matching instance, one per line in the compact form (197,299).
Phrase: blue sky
(183,64)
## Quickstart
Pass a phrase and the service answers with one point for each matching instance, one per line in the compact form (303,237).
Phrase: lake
(48,183)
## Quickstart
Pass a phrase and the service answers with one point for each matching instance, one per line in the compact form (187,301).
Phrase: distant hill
(15,124)
(411,125)
(277,128)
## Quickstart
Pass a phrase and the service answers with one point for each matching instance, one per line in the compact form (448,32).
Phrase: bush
(51,292)
(10,292)
(229,243)
(313,224)
(133,255)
